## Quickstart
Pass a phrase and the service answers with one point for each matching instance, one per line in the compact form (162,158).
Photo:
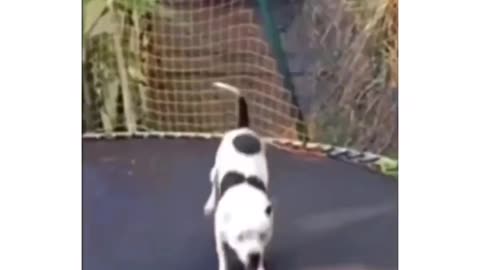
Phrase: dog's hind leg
(210,204)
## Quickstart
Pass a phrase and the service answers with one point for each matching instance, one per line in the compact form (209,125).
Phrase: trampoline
(143,209)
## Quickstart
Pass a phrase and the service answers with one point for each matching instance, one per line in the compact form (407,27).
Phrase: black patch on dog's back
(247,144)
(229,180)
(233,178)
(257,183)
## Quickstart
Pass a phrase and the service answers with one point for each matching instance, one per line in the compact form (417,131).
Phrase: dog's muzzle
(253,260)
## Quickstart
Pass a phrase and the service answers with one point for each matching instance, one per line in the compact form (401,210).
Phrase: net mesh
(153,67)
(149,66)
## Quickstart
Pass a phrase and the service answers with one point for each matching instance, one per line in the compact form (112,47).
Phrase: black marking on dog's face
(257,183)
(247,144)
(268,210)
(231,258)
(229,180)
(254,260)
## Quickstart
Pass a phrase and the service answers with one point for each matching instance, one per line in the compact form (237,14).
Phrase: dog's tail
(243,117)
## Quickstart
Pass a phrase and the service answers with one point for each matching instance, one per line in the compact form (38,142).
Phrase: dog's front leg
(262,265)
(220,251)
(210,204)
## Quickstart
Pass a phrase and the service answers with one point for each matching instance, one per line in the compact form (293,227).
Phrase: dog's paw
(262,266)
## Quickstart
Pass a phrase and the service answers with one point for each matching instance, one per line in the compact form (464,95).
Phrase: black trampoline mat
(143,209)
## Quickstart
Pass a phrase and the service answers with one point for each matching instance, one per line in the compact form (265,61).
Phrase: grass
(356,77)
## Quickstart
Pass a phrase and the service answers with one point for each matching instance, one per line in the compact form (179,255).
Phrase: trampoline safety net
(149,67)
(171,56)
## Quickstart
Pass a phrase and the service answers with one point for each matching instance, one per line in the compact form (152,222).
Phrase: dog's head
(248,230)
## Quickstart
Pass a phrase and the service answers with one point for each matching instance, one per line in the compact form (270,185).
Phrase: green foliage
(140,6)
(389,167)
(93,11)
(379,19)
(356,103)
(110,52)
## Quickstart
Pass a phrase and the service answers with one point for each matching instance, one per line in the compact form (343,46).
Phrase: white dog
(239,183)
(243,224)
